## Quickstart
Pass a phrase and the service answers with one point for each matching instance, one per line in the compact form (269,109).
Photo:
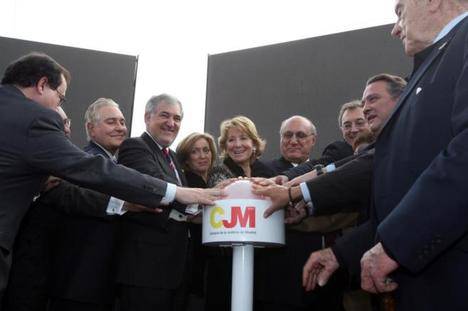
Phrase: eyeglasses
(299,135)
(62,97)
(67,122)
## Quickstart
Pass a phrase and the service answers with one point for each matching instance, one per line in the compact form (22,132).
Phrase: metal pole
(242,278)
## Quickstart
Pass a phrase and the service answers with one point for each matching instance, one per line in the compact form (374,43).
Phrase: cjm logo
(244,219)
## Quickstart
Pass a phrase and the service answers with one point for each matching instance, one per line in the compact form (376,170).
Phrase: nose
(293,139)
(354,128)
(367,109)
(121,127)
(396,30)
(170,122)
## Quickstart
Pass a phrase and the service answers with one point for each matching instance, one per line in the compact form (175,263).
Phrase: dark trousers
(5,264)
(135,298)
(71,305)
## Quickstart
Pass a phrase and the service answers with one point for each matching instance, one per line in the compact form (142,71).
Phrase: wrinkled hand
(295,214)
(261,181)
(319,268)
(280,179)
(198,195)
(277,194)
(376,265)
(303,178)
(137,208)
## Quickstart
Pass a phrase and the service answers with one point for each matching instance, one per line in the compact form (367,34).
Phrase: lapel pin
(418,90)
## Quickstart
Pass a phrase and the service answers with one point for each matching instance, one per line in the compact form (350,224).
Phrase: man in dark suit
(346,184)
(420,167)
(352,122)
(420,220)
(297,138)
(152,270)
(84,264)
(282,290)
(35,146)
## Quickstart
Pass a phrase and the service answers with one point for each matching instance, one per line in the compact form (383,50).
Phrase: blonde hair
(248,127)
(185,147)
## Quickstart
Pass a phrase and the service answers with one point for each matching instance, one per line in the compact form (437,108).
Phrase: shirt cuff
(192,209)
(169,197)
(305,192)
(330,167)
(307,199)
(115,207)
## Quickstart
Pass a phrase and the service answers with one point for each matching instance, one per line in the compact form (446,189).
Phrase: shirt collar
(454,22)
(110,155)
(160,147)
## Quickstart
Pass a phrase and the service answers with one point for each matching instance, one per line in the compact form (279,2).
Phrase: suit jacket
(32,263)
(280,165)
(345,189)
(36,147)
(84,257)
(420,180)
(279,270)
(332,153)
(153,249)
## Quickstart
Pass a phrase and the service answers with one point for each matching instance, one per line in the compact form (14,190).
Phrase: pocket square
(418,90)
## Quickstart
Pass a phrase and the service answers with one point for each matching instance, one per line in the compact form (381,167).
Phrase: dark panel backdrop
(94,74)
(311,77)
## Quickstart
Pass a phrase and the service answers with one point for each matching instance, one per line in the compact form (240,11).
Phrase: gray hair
(154,102)
(354,104)
(313,129)
(92,113)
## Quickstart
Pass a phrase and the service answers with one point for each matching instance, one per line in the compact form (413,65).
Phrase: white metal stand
(242,278)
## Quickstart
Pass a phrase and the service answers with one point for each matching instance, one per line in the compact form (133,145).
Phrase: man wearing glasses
(297,138)
(33,146)
(352,122)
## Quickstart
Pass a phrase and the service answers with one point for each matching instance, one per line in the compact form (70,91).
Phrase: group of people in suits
(414,242)
(396,179)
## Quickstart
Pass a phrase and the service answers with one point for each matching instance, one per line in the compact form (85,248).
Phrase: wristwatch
(320,169)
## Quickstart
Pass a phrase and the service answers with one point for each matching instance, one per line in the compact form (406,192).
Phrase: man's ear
(314,139)
(89,127)
(147,117)
(41,84)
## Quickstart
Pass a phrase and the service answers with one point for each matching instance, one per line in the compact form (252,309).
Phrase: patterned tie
(167,156)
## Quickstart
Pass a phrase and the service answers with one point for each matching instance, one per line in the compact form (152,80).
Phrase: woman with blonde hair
(241,147)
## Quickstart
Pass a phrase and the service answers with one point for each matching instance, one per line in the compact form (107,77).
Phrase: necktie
(167,156)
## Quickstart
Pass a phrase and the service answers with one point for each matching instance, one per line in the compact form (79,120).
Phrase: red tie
(165,151)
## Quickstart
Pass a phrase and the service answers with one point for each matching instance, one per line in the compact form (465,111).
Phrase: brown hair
(395,84)
(185,147)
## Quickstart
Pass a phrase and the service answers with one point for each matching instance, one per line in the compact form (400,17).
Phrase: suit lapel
(158,155)
(438,50)
(183,180)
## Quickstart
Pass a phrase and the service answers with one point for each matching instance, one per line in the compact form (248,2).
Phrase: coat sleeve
(51,152)
(134,153)
(332,153)
(73,200)
(346,189)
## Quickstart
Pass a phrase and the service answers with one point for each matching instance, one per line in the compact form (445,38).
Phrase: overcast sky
(174,38)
